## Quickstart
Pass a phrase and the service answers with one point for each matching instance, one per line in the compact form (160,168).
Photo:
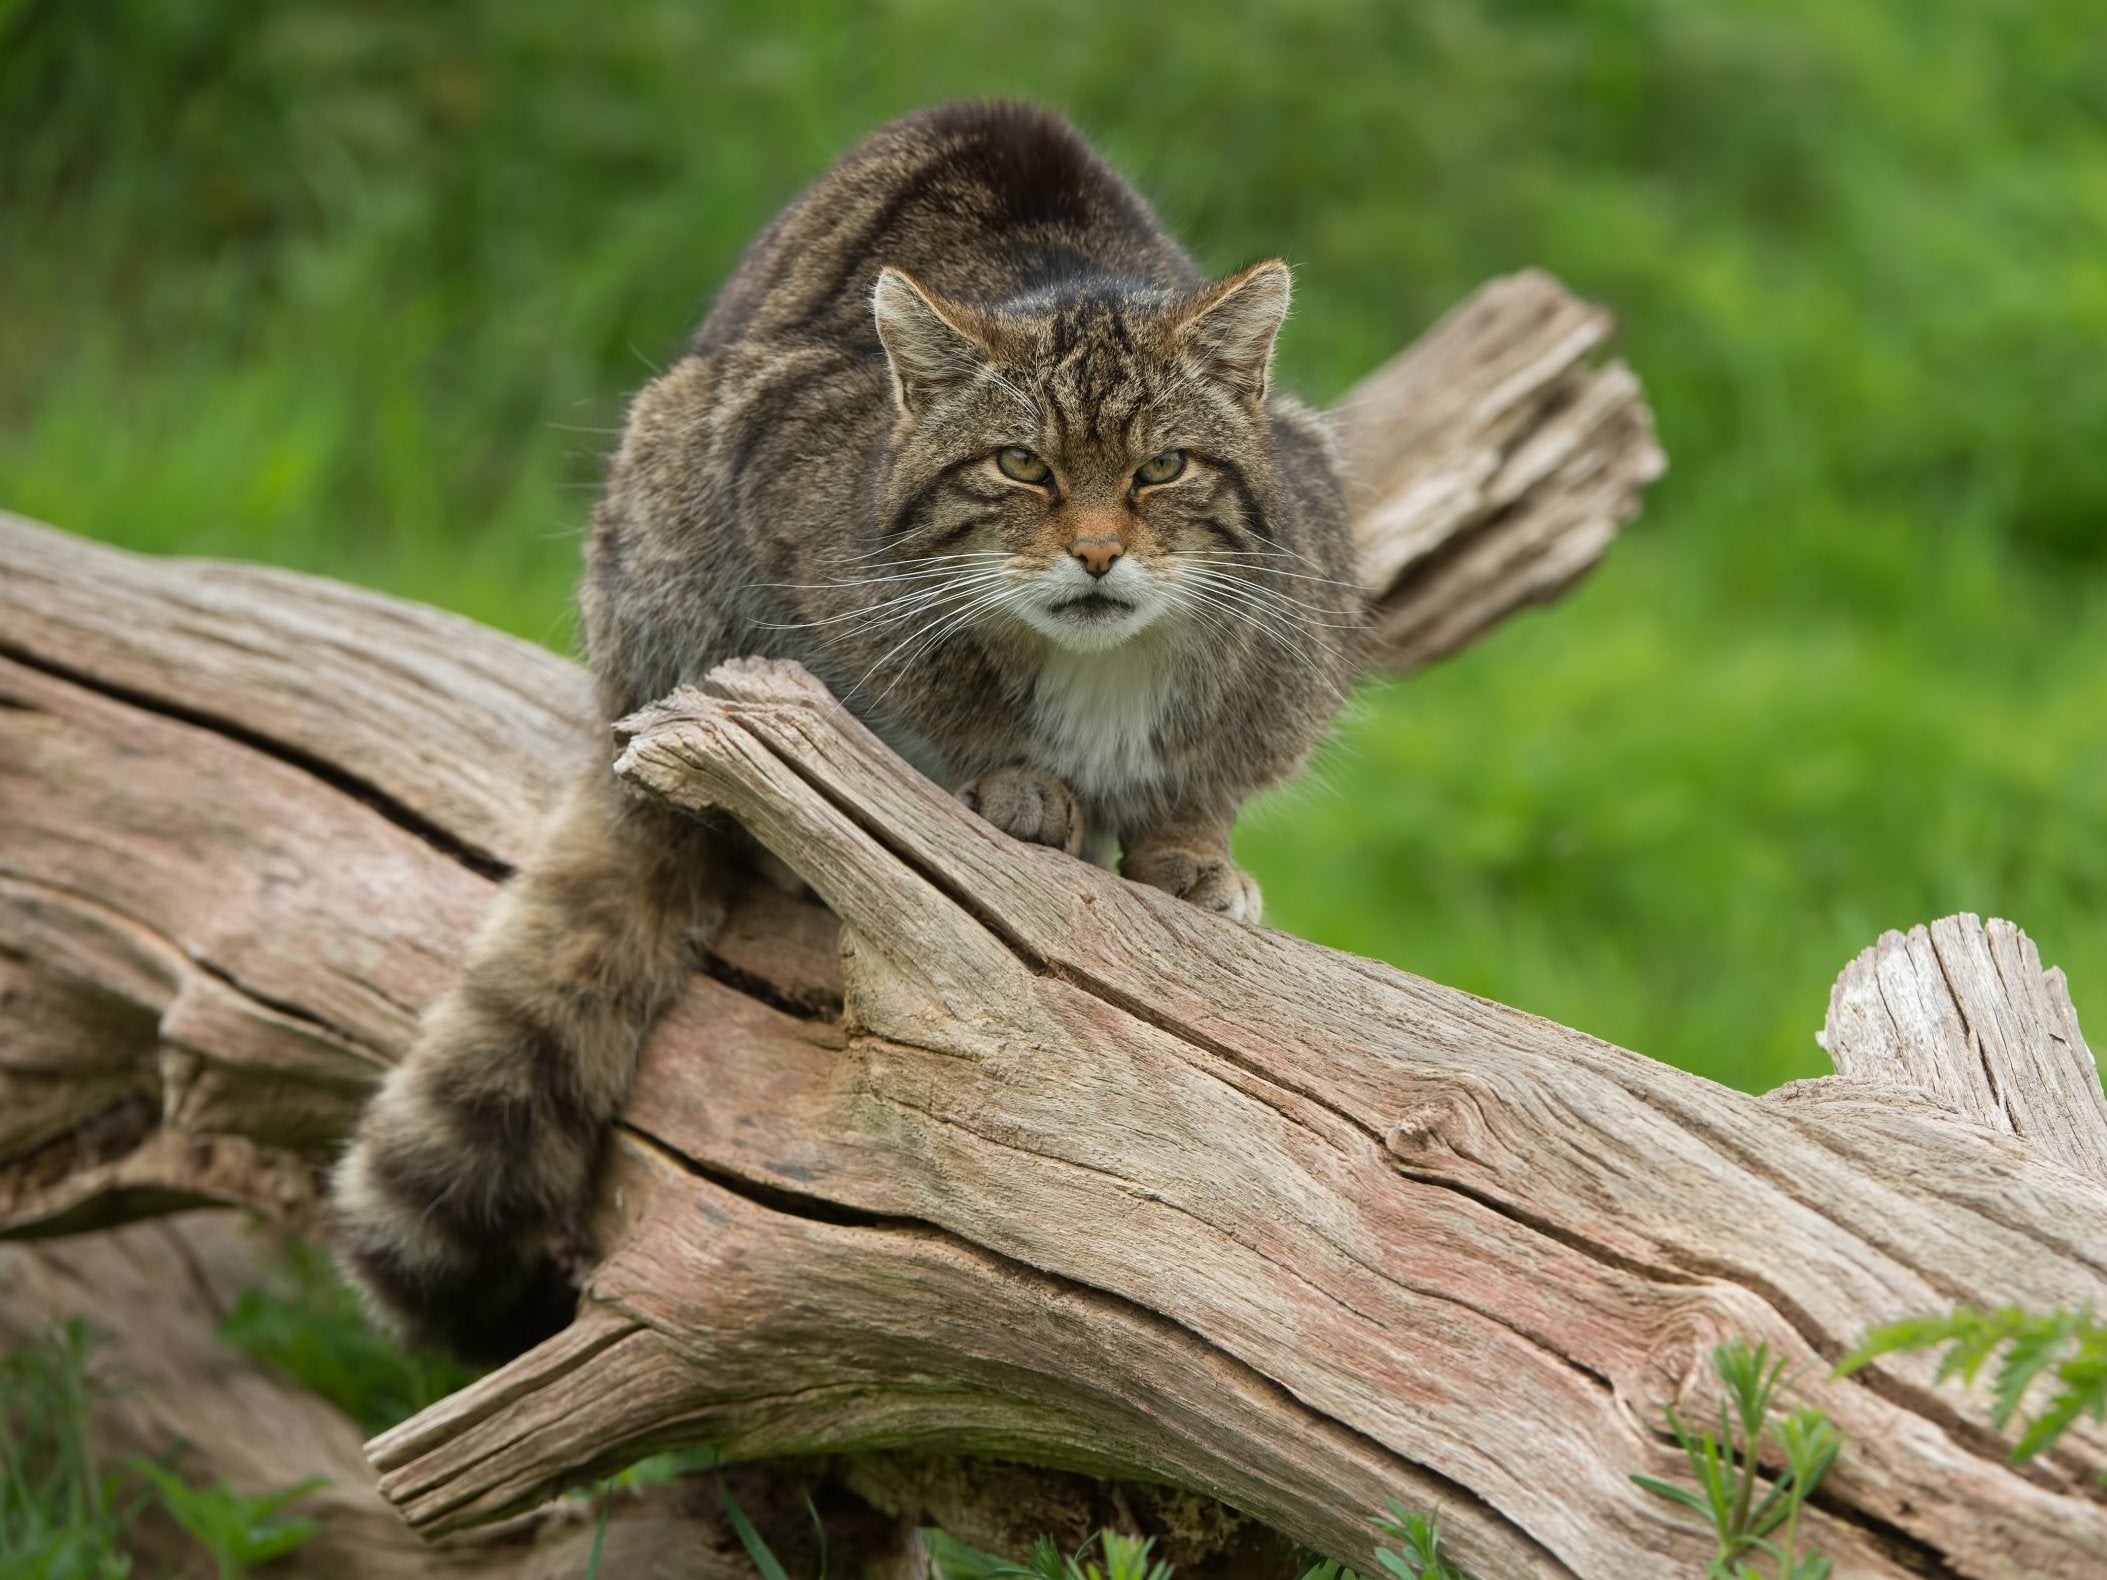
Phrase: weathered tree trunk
(1098,1180)
(1015,1159)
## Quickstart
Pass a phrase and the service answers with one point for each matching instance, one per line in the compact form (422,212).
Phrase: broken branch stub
(1491,465)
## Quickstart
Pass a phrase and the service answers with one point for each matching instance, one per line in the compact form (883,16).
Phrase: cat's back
(980,202)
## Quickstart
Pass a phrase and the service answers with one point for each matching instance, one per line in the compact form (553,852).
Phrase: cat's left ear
(1229,328)
(930,344)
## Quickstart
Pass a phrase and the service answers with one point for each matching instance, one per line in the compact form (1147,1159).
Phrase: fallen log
(1014,1159)
(1096,1180)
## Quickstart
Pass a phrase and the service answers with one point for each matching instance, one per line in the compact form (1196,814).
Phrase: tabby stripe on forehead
(1111,414)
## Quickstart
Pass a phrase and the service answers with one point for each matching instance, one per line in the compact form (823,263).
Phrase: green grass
(361,288)
(61,1513)
(65,1516)
(304,1319)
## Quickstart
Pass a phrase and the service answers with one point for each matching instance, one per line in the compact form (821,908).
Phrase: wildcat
(969,436)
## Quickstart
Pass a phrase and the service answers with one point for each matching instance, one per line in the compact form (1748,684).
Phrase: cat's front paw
(1212,882)
(1028,805)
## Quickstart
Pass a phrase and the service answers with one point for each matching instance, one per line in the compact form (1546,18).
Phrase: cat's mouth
(1093,618)
(1091,608)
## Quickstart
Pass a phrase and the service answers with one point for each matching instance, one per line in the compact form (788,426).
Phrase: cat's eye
(1160,468)
(1020,464)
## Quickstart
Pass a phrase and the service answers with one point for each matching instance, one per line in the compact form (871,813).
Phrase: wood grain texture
(1331,1155)
(1965,1014)
(995,1154)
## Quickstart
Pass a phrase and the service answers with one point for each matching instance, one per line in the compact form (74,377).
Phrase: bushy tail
(480,1150)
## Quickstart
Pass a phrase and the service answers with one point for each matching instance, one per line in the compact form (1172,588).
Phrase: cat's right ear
(1229,328)
(931,345)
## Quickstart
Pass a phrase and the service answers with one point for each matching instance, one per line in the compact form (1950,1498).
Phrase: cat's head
(1090,462)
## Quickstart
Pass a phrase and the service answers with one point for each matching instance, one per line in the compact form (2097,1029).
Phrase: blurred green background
(360,288)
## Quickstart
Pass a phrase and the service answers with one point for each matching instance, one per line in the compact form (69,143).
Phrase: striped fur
(1111,656)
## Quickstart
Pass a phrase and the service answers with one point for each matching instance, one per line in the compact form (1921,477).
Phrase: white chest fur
(1094,718)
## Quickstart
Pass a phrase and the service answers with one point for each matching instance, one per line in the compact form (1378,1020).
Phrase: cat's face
(1087,469)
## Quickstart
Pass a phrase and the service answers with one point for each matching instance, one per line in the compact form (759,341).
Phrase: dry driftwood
(1028,1162)
(1103,1181)
(1492,466)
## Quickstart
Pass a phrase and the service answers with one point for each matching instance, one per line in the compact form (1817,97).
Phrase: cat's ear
(931,344)
(1229,328)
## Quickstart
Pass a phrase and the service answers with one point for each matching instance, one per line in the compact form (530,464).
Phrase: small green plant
(1124,1558)
(655,1470)
(952,1559)
(239,1532)
(2069,1345)
(64,1517)
(61,1514)
(307,1323)
(661,1468)
(1729,1478)
(1418,1555)
(758,1550)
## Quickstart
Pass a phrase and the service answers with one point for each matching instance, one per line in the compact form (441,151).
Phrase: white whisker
(1293,610)
(1257,617)
(973,607)
(904,570)
(1274,570)
(943,633)
(887,610)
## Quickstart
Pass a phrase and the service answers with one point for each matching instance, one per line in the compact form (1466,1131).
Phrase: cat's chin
(1091,622)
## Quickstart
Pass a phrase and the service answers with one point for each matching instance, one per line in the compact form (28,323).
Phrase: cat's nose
(1097,553)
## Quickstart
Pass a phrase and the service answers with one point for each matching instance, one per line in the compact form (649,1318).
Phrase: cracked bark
(996,1155)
